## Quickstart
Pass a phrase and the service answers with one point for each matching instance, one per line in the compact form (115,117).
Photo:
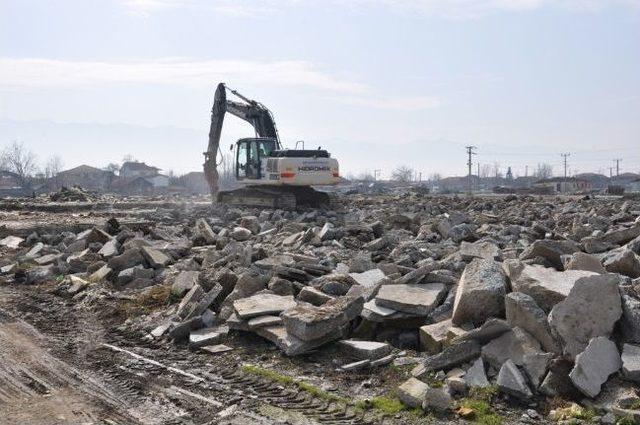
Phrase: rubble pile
(73,194)
(538,297)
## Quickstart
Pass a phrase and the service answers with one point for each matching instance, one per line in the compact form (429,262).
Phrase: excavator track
(277,197)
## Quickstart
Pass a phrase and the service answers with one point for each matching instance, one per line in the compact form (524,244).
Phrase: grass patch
(483,393)
(482,411)
(287,380)
(625,420)
(387,405)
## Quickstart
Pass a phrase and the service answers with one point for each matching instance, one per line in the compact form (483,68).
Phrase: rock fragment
(594,365)
(480,293)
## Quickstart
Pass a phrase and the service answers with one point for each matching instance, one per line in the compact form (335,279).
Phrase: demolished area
(406,308)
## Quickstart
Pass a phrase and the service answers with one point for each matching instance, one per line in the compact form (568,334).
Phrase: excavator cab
(250,156)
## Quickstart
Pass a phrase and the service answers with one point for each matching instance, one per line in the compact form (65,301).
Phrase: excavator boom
(250,111)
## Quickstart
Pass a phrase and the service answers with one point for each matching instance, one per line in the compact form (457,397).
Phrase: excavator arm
(250,111)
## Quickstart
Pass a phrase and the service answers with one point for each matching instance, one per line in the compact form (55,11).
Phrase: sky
(379,83)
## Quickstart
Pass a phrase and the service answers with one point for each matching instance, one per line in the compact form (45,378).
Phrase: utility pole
(420,178)
(565,155)
(610,172)
(375,175)
(617,161)
(526,171)
(470,152)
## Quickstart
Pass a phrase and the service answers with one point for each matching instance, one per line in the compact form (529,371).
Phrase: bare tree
(53,166)
(18,159)
(435,177)
(485,171)
(544,171)
(128,158)
(496,170)
(227,169)
(113,167)
(402,174)
(366,176)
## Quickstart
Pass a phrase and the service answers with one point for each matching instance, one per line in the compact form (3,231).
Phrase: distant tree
(113,167)
(496,170)
(226,168)
(53,166)
(366,176)
(20,160)
(128,158)
(544,171)
(485,171)
(402,174)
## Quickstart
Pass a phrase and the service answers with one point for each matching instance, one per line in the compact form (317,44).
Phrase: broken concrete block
(412,392)
(418,300)
(511,381)
(522,311)
(360,364)
(475,376)
(129,258)
(584,261)
(208,336)
(591,309)
(190,301)
(308,322)
(216,349)
(631,362)
(95,235)
(546,286)
(155,258)
(180,330)
(204,302)
(12,242)
(621,236)
(203,234)
(480,293)
(183,282)
(630,322)
(433,337)
(240,234)
(77,285)
(101,274)
(369,278)
(512,345)
(557,381)
(450,357)
(491,329)
(594,365)
(110,248)
(313,296)
(263,304)
(370,350)
(437,399)
(624,261)
(551,250)
(35,250)
(160,330)
(480,249)
(262,321)
(536,365)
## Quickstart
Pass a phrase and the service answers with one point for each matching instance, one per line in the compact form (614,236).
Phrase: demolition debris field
(395,309)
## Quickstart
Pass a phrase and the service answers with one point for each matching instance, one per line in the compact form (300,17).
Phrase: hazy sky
(378,82)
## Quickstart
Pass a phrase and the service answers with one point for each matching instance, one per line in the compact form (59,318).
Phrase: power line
(565,156)
(617,161)
(470,152)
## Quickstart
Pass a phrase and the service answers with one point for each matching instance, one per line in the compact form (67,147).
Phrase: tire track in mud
(161,383)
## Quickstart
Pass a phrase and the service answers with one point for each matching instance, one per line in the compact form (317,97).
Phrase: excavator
(269,175)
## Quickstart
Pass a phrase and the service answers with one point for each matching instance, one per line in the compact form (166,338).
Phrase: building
(132,186)
(194,182)
(85,176)
(634,186)
(564,185)
(137,169)
(11,185)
